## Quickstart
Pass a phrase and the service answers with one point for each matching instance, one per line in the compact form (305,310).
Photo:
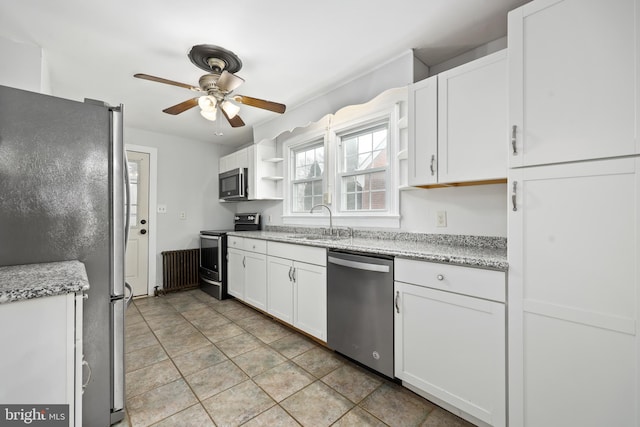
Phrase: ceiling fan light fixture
(207,103)
(230,108)
(209,115)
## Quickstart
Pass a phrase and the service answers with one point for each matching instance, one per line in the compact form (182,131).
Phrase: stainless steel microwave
(233,184)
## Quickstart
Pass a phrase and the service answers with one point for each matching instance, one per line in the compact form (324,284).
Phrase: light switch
(162,209)
(441,219)
(182,215)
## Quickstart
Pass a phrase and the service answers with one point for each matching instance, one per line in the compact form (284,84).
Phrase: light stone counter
(22,282)
(470,251)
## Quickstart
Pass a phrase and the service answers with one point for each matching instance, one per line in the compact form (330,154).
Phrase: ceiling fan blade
(183,106)
(235,121)
(228,82)
(165,81)
(261,103)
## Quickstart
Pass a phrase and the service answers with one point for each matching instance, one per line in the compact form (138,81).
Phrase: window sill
(356,220)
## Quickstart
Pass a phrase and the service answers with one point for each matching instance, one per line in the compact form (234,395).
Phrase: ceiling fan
(217,86)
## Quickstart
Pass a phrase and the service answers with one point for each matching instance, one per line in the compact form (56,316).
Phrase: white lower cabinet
(450,347)
(297,290)
(247,271)
(42,353)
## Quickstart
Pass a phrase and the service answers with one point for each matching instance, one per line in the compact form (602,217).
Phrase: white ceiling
(291,49)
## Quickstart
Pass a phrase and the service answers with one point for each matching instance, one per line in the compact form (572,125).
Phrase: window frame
(330,129)
(313,144)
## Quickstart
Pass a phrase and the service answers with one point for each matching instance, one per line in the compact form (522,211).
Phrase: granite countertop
(22,282)
(470,251)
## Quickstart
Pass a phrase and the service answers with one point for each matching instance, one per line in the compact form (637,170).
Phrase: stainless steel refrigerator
(62,197)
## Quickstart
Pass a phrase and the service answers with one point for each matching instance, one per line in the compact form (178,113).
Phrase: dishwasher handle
(359,265)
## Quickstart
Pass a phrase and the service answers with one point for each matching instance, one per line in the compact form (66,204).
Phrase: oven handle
(358,265)
(206,236)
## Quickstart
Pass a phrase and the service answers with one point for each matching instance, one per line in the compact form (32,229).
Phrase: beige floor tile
(292,345)
(187,304)
(170,319)
(283,380)
(160,403)
(274,417)
(218,333)
(152,305)
(237,345)
(132,316)
(397,406)
(199,359)
(258,360)
(201,295)
(132,330)
(177,341)
(140,341)
(144,357)
(227,305)
(318,361)
(316,405)
(271,333)
(194,416)
(358,417)
(214,379)
(352,382)
(206,315)
(240,313)
(441,418)
(150,377)
(238,405)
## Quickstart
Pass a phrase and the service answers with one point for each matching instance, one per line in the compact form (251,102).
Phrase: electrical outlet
(182,215)
(441,219)
(162,209)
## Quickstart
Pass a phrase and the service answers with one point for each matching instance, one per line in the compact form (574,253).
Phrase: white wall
(187,181)
(21,65)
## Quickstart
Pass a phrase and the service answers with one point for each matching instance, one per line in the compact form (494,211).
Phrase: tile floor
(192,360)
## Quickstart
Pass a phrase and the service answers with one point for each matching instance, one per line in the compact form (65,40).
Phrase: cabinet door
(280,288)
(573,294)
(452,347)
(255,280)
(235,273)
(310,298)
(573,72)
(472,118)
(423,132)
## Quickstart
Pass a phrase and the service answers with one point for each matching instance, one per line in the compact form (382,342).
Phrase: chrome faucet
(330,217)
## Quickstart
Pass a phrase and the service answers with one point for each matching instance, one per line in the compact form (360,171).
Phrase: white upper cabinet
(472,114)
(457,124)
(573,76)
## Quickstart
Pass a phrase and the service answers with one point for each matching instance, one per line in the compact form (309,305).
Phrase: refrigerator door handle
(129,299)
(117,337)
(127,200)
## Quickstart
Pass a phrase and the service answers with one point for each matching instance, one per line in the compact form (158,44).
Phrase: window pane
(364,192)
(365,150)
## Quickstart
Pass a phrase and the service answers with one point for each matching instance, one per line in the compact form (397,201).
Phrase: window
(307,175)
(363,169)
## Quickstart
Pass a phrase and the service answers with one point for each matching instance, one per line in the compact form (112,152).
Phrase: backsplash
(489,242)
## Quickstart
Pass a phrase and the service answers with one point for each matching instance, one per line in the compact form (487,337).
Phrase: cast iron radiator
(180,269)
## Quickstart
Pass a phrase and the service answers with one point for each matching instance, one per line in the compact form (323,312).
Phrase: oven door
(232,185)
(211,256)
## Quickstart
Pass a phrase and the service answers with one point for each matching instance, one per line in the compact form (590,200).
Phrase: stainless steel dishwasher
(360,308)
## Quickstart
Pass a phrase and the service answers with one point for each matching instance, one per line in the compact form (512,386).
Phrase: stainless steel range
(213,254)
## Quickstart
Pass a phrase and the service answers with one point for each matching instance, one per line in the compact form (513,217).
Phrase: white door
(255,280)
(280,288)
(137,257)
(235,273)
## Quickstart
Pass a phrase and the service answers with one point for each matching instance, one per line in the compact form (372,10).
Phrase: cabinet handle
(513,139)
(440,277)
(290,276)
(432,165)
(293,271)
(244,263)
(513,195)
(397,302)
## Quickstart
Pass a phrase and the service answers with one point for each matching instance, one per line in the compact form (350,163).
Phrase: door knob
(143,221)
(143,231)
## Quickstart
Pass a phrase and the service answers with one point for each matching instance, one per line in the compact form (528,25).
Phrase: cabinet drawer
(255,245)
(302,253)
(474,282)
(235,242)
